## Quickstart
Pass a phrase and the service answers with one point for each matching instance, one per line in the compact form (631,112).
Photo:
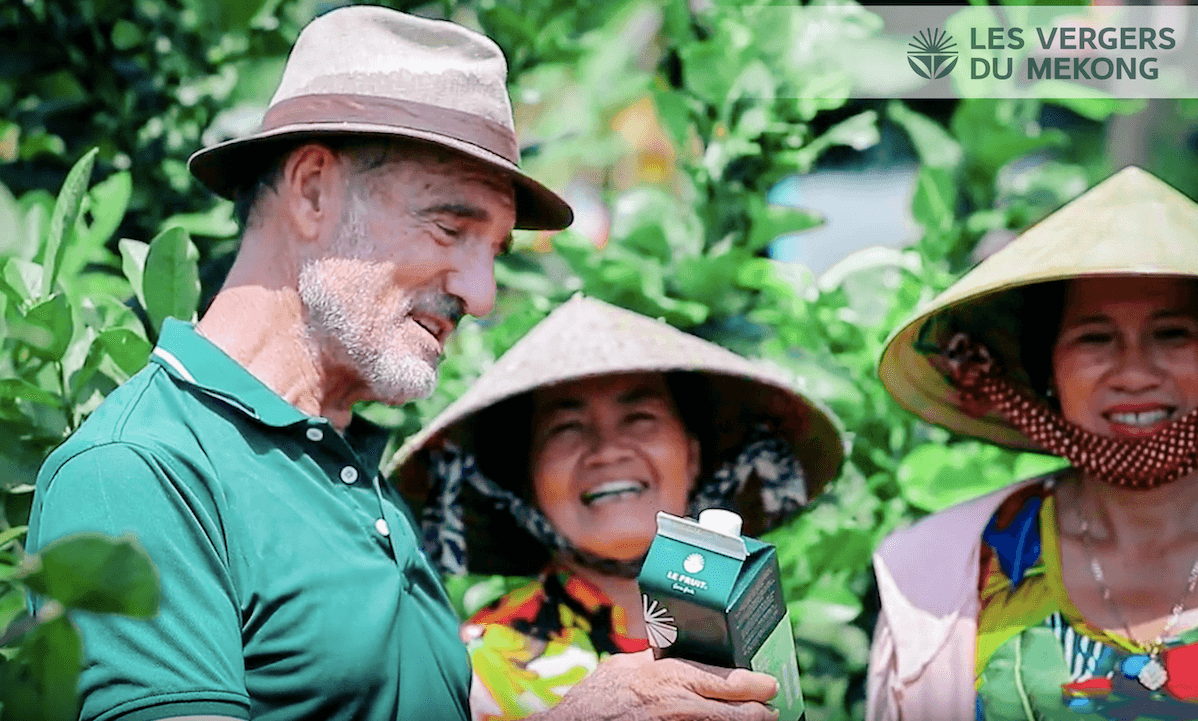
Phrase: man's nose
(473,280)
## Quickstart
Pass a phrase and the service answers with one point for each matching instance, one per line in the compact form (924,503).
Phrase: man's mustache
(443,305)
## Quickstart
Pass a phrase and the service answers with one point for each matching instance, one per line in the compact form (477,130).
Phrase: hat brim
(802,422)
(1131,224)
(587,338)
(498,545)
(226,167)
(919,387)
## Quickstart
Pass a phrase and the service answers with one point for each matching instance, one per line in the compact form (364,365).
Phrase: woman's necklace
(1153,674)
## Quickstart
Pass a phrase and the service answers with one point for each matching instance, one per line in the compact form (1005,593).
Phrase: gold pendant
(1153,675)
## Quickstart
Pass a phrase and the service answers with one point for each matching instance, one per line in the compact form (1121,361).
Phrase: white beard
(335,292)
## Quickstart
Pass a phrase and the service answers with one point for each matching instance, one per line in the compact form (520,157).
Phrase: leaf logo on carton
(658,623)
(693,563)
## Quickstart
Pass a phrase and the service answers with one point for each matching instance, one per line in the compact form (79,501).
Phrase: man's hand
(634,686)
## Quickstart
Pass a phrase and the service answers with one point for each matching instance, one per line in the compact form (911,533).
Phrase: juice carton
(711,595)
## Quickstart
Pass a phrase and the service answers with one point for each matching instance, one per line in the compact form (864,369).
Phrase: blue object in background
(862,207)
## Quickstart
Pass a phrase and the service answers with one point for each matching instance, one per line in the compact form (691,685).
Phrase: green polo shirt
(293,586)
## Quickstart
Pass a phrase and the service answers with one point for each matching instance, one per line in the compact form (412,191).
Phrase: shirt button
(315,435)
(381,526)
(349,474)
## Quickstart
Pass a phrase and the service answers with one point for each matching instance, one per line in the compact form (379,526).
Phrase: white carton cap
(721,521)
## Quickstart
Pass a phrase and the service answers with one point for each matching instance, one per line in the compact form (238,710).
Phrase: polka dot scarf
(1167,455)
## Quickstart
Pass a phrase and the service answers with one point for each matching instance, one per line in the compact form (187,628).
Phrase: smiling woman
(556,463)
(1073,592)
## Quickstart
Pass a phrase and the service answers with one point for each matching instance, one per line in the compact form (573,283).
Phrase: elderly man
(376,196)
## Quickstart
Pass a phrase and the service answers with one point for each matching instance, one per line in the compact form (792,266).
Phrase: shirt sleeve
(188,659)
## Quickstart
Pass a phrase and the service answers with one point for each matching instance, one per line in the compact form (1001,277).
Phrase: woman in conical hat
(1072,592)
(555,463)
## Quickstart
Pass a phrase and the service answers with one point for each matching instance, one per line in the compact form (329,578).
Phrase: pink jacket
(921,662)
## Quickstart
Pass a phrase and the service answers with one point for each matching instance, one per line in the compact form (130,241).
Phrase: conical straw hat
(1130,224)
(585,337)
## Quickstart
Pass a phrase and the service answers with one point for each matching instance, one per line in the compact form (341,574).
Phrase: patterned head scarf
(1169,454)
(763,457)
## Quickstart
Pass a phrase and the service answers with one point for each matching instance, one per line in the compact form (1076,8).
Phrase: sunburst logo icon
(693,563)
(659,624)
(932,54)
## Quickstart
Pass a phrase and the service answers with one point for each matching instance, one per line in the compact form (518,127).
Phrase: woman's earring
(1050,392)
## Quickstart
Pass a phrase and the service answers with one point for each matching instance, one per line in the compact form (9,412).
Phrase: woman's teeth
(612,490)
(1146,418)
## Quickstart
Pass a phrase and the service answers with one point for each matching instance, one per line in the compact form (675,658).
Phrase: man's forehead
(455,175)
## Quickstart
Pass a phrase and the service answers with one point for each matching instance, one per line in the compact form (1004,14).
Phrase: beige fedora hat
(372,71)
(1130,224)
(583,338)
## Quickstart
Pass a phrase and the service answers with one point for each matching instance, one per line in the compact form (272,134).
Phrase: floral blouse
(1037,658)
(533,645)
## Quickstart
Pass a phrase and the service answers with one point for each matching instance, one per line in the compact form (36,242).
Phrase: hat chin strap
(1165,456)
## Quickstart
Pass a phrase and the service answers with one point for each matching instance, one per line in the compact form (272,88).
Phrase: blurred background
(712,190)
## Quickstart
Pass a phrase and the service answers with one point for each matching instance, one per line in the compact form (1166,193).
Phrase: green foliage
(64,348)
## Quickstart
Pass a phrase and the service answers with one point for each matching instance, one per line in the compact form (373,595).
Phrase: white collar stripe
(169,358)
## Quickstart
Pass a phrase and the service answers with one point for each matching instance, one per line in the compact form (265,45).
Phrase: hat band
(343,108)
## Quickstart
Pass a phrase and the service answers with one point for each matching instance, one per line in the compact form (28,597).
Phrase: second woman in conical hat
(556,462)
(1074,594)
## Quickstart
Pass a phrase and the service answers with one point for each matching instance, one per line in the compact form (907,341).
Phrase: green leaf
(994,132)
(22,451)
(217,222)
(11,534)
(675,115)
(1094,108)
(109,201)
(133,264)
(20,388)
(38,206)
(773,221)
(47,328)
(12,223)
(235,15)
(858,132)
(652,222)
(709,69)
(66,213)
(128,349)
(932,142)
(97,573)
(21,281)
(12,600)
(935,476)
(935,198)
(40,682)
(126,35)
(171,284)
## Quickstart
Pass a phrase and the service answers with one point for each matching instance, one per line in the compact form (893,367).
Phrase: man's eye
(451,232)
(1094,338)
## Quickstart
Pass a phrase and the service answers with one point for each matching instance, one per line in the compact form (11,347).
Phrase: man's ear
(312,188)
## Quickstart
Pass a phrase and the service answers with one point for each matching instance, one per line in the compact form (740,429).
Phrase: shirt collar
(195,360)
(192,358)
